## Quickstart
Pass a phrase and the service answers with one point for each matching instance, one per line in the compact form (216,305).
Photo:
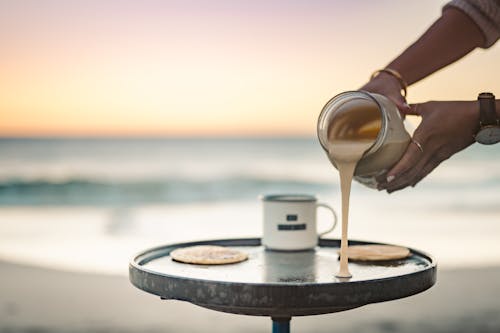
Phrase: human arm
(450,38)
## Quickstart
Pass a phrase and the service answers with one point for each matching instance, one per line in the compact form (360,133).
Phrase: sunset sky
(206,67)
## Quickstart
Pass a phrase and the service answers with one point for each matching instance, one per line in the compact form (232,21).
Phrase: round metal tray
(280,284)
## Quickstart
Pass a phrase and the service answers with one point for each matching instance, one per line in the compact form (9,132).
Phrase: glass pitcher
(390,143)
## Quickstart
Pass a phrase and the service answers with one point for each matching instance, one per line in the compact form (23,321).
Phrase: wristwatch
(489,124)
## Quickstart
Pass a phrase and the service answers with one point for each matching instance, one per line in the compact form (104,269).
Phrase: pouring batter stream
(349,137)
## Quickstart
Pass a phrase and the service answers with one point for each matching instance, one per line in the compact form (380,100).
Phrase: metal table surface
(280,284)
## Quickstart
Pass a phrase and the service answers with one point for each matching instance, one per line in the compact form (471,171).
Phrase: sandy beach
(36,299)
(133,125)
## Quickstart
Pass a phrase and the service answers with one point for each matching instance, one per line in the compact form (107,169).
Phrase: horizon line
(151,137)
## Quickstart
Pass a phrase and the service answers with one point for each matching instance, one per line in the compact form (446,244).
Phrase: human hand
(387,85)
(446,128)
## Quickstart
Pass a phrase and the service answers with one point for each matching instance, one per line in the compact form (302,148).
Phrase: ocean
(89,204)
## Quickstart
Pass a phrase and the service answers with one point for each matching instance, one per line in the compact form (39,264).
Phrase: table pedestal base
(281,325)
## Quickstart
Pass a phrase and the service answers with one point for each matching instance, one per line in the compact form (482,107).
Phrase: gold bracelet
(394,73)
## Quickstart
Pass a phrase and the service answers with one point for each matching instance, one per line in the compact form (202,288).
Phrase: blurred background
(128,124)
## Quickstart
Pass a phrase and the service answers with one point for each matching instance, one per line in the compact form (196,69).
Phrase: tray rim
(276,299)
(137,265)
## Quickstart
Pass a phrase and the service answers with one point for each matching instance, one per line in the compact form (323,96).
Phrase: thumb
(400,102)
(414,109)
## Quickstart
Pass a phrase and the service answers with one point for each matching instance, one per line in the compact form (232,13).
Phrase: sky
(206,68)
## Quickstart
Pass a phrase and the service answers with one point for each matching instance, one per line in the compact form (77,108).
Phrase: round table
(280,284)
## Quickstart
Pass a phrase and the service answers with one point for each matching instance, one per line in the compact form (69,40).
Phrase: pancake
(208,255)
(376,252)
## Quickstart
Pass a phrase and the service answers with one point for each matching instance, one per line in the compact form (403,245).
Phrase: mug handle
(334,218)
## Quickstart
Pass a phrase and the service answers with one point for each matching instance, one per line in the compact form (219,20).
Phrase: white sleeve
(485,13)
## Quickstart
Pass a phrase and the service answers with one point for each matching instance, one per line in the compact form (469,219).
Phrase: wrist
(385,82)
(386,77)
(395,77)
(473,115)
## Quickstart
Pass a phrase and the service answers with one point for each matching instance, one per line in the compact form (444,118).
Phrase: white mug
(289,222)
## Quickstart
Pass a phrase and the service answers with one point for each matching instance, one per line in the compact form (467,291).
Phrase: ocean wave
(102,192)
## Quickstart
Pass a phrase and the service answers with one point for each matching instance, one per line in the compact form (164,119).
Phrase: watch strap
(487,112)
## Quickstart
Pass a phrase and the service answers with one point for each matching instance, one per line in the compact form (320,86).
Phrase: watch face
(488,135)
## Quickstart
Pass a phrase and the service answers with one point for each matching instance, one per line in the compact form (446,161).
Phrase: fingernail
(390,178)
(406,105)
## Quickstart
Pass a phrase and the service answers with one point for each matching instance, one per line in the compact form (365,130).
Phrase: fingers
(431,165)
(400,102)
(390,87)
(412,177)
(404,172)
(414,110)
(437,158)
(407,178)
(408,161)
(381,179)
